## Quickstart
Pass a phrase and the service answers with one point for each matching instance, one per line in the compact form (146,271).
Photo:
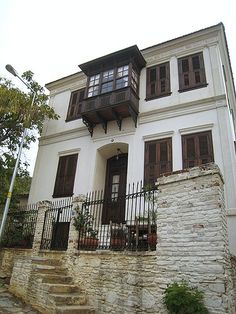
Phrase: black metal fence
(56,225)
(20,227)
(125,222)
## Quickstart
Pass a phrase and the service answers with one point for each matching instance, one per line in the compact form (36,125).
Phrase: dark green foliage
(183,299)
(16,113)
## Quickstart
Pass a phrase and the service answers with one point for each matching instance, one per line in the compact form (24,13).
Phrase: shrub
(182,299)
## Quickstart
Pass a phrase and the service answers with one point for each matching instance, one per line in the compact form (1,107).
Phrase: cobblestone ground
(10,304)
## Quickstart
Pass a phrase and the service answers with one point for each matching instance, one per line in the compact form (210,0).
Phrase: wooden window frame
(198,159)
(153,169)
(158,81)
(74,109)
(64,183)
(114,80)
(191,74)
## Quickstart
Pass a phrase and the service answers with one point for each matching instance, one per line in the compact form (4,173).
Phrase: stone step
(48,269)
(68,299)
(74,309)
(49,278)
(46,261)
(62,288)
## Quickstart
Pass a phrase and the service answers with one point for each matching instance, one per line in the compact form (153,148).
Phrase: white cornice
(197,128)
(157,136)
(71,82)
(181,46)
(182,109)
(63,136)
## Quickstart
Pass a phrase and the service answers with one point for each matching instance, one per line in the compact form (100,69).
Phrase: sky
(51,37)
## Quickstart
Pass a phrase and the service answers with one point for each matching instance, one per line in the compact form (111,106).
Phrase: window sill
(192,88)
(158,96)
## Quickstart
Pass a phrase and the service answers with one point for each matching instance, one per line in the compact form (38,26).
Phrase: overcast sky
(51,37)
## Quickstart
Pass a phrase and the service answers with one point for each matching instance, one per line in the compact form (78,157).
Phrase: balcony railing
(113,106)
(135,228)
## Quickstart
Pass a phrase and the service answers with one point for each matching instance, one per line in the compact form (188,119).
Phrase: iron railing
(126,222)
(56,225)
(20,227)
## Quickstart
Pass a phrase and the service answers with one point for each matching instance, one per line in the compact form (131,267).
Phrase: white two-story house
(134,115)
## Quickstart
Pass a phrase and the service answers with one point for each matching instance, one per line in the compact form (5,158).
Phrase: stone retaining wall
(192,245)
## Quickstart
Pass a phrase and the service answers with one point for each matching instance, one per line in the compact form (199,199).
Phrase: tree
(16,113)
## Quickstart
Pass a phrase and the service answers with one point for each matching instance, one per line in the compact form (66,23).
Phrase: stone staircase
(56,289)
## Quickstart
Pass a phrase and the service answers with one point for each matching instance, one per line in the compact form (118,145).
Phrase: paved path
(10,304)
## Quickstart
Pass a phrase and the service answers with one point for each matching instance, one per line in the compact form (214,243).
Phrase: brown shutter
(64,183)
(191,72)
(74,109)
(197,149)
(158,80)
(157,160)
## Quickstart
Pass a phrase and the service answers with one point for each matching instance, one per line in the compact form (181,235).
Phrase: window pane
(196,62)
(94,80)
(163,86)
(152,153)
(190,148)
(153,75)
(163,151)
(107,87)
(197,77)
(93,91)
(153,89)
(122,71)
(108,76)
(186,79)
(123,82)
(162,72)
(185,66)
(203,145)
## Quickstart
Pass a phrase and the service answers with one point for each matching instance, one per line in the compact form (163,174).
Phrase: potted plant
(83,222)
(118,239)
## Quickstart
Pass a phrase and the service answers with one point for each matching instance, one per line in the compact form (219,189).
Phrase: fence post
(43,206)
(73,233)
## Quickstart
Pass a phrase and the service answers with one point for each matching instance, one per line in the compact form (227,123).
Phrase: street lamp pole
(9,194)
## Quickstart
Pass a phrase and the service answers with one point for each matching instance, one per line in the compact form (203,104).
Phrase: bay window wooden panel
(74,109)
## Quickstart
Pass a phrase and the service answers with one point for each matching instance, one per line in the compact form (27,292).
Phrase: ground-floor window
(65,177)
(197,149)
(157,159)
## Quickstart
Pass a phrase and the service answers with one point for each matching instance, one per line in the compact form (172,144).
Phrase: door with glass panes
(115,189)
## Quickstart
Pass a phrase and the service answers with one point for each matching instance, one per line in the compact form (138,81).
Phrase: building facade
(136,115)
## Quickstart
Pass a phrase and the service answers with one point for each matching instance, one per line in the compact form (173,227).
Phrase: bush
(182,299)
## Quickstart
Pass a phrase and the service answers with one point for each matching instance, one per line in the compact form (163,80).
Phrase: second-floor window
(112,79)
(191,72)
(74,109)
(158,81)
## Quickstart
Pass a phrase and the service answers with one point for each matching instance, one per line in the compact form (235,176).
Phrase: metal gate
(56,226)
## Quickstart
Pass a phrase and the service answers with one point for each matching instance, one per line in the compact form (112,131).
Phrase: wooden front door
(115,189)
